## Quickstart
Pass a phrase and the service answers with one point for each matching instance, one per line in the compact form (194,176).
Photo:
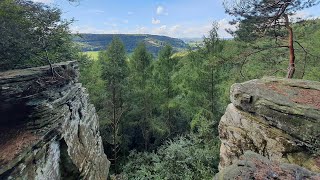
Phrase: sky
(175,18)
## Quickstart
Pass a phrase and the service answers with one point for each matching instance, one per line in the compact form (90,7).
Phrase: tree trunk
(115,124)
(291,68)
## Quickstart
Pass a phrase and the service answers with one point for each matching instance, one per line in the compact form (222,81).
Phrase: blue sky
(176,18)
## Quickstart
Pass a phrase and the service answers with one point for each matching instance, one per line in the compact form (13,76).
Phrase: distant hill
(187,40)
(97,42)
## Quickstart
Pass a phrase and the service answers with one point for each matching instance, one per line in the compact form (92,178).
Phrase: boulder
(255,166)
(276,118)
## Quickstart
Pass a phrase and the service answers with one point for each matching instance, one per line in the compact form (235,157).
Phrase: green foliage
(33,34)
(182,158)
(258,18)
(90,77)
(92,54)
(114,66)
(168,111)
(114,73)
(141,93)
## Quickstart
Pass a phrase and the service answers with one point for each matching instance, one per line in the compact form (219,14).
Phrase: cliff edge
(276,118)
(48,128)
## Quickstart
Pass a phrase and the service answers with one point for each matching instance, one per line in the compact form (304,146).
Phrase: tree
(33,34)
(265,17)
(197,79)
(140,69)
(163,71)
(115,72)
(213,49)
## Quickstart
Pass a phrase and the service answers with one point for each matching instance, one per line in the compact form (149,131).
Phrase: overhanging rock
(48,128)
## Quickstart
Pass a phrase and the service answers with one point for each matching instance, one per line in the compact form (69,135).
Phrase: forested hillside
(97,42)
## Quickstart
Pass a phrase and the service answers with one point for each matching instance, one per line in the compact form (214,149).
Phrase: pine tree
(163,71)
(265,17)
(196,81)
(141,95)
(115,72)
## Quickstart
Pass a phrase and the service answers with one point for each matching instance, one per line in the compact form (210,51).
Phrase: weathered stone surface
(255,166)
(277,118)
(48,128)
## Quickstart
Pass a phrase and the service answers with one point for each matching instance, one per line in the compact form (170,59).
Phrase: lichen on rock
(276,118)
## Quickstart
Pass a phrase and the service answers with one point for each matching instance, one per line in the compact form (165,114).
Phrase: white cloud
(140,30)
(161,11)
(180,30)
(302,15)
(225,25)
(130,13)
(175,29)
(192,31)
(162,30)
(44,1)
(90,29)
(155,21)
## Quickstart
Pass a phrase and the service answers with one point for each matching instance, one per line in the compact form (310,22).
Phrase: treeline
(97,42)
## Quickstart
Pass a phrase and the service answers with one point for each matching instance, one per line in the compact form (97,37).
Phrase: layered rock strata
(276,118)
(48,128)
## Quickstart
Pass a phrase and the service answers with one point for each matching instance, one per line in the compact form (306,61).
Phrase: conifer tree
(163,71)
(141,95)
(115,72)
(267,17)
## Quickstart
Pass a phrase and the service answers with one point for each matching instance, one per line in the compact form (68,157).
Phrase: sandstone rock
(277,118)
(256,166)
(48,128)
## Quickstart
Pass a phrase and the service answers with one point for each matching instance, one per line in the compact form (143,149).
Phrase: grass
(93,54)
(180,54)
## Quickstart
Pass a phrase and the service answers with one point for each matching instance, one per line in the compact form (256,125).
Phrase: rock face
(48,128)
(255,166)
(276,118)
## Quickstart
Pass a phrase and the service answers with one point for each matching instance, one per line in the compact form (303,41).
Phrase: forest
(159,115)
(162,114)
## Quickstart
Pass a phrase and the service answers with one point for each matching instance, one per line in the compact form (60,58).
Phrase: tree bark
(291,68)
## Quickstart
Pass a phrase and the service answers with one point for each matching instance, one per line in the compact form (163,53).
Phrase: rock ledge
(49,129)
(276,118)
